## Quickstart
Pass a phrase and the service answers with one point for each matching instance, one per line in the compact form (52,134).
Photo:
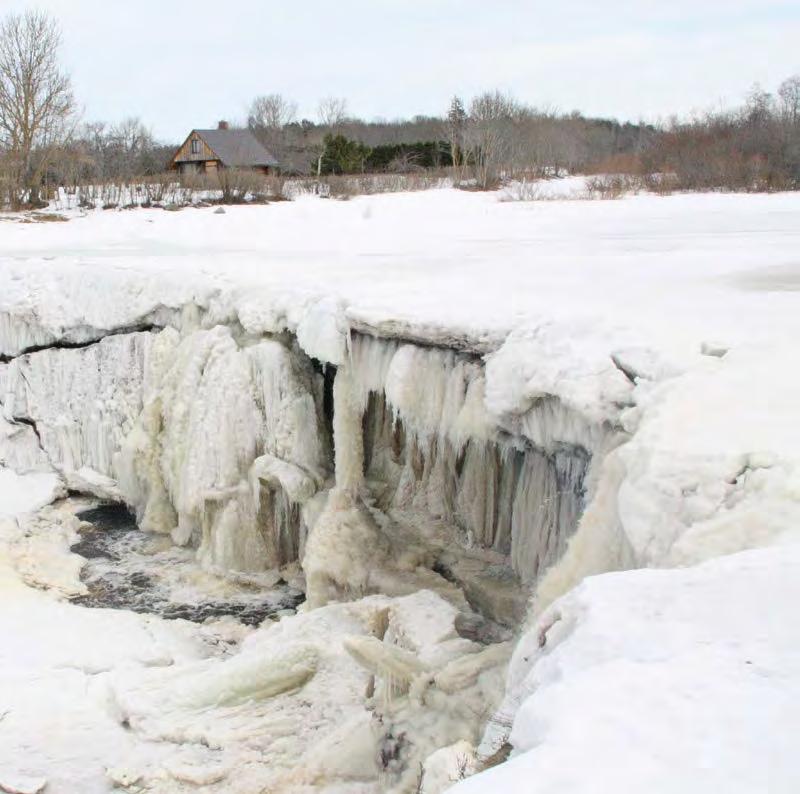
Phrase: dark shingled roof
(237,148)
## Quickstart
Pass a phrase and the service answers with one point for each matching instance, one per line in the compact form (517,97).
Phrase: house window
(195,145)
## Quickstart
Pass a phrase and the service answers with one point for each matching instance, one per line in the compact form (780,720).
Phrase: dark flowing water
(130,569)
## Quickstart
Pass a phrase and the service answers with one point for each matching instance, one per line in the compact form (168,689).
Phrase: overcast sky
(180,64)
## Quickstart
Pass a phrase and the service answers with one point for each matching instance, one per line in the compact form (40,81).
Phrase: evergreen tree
(456,122)
(343,156)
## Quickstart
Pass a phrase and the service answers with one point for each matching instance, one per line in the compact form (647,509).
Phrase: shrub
(612,186)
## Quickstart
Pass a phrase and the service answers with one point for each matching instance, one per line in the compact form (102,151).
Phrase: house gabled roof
(237,148)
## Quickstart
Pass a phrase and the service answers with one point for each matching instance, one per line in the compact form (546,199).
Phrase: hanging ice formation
(377,465)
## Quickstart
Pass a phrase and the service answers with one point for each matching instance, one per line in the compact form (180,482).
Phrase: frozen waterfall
(243,446)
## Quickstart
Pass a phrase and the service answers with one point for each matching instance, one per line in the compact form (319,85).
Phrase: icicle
(395,666)
(347,432)
(464,671)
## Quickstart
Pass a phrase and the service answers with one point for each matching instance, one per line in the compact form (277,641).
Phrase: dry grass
(44,217)
(609,187)
(346,186)
(533,190)
(615,186)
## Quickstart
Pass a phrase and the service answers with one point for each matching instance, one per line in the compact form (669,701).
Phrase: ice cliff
(466,481)
(238,443)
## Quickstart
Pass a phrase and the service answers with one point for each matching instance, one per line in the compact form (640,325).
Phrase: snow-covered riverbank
(438,404)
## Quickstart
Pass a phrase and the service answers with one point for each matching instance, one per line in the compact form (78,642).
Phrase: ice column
(348,437)
(345,547)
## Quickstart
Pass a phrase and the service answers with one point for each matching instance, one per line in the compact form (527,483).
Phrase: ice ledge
(656,655)
(533,363)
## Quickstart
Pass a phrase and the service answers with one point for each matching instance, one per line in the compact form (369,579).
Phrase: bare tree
(131,141)
(272,112)
(758,108)
(36,101)
(269,118)
(789,94)
(332,114)
(332,111)
(489,135)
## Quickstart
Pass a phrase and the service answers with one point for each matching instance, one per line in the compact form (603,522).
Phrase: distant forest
(480,142)
(491,137)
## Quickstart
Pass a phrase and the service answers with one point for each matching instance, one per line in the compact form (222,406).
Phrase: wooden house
(204,151)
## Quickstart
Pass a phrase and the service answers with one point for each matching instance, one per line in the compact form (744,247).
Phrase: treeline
(489,139)
(43,144)
(754,147)
(494,137)
(342,155)
(99,152)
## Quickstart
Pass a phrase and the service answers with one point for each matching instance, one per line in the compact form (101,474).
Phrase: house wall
(185,152)
(211,167)
(205,161)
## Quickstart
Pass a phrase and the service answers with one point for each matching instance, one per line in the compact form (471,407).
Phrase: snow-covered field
(656,335)
(670,272)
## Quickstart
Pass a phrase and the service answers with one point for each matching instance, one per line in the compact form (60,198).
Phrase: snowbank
(23,493)
(712,467)
(661,681)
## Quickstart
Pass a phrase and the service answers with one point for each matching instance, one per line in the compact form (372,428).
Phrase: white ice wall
(218,438)
(83,402)
(513,482)
(228,434)
(187,427)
